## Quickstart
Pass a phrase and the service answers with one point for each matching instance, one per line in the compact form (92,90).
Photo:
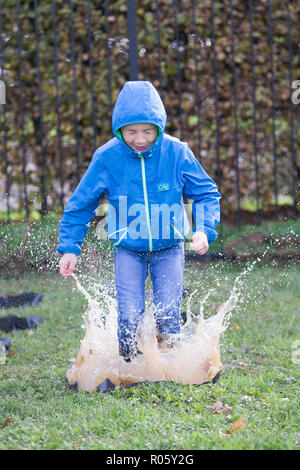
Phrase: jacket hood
(138,102)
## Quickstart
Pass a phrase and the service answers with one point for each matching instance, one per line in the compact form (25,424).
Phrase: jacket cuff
(69,249)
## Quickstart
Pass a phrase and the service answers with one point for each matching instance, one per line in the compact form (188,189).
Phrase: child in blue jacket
(145,174)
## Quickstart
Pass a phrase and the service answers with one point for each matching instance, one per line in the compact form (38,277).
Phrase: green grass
(269,228)
(260,381)
(25,245)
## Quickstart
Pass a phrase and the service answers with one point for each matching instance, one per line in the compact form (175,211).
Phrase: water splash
(196,358)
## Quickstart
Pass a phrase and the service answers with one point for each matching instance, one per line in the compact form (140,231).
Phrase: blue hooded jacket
(145,190)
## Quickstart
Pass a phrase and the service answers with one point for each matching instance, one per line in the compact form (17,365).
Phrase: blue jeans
(131,270)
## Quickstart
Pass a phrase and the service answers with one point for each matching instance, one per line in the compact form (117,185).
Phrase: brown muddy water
(194,360)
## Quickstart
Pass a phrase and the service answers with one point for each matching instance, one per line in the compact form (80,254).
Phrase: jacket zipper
(146,201)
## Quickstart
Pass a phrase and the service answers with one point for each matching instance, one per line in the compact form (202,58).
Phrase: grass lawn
(259,384)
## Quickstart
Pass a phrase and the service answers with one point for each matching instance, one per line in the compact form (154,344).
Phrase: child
(145,174)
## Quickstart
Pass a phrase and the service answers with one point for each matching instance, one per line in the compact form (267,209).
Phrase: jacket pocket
(124,230)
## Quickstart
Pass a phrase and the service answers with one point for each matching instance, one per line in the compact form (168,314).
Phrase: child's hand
(199,243)
(67,264)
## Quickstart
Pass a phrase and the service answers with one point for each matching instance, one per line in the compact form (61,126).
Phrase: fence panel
(227,73)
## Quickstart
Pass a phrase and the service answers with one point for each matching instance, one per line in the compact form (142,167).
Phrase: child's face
(139,137)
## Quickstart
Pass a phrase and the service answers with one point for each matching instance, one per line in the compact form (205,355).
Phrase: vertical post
(22,109)
(236,131)
(44,207)
(198,102)
(4,150)
(217,116)
(179,76)
(91,74)
(292,113)
(72,44)
(132,36)
(108,56)
(257,182)
(273,108)
(160,78)
(58,105)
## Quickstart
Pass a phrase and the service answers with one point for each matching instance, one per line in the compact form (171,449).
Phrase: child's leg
(131,272)
(166,268)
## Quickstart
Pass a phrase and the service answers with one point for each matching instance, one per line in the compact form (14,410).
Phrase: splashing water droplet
(195,359)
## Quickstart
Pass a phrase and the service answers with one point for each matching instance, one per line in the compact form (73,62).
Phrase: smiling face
(139,137)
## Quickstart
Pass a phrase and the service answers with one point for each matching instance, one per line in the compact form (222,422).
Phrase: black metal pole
(58,107)
(292,114)
(109,73)
(160,77)
(236,130)
(93,101)
(132,36)
(72,43)
(217,116)
(257,181)
(271,42)
(44,207)
(4,150)
(198,103)
(179,75)
(22,106)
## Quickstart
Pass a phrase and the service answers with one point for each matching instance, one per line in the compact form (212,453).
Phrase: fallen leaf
(12,352)
(236,327)
(218,408)
(226,410)
(229,366)
(253,371)
(223,433)
(76,447)
(6,422)
(238,426)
